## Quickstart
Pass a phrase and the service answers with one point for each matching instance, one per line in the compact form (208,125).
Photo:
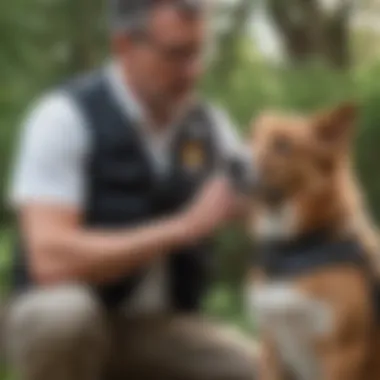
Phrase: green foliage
(5,246)
(368,154)
(42,42)
(256,86)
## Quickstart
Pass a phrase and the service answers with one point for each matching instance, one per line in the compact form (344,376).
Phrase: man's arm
(60,249)
(48,194)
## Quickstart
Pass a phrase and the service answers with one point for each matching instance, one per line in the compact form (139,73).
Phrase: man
(116,203)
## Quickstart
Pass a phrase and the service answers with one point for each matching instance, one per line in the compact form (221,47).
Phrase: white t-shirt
(55,144)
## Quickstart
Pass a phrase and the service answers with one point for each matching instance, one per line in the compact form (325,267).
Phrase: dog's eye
(282,146)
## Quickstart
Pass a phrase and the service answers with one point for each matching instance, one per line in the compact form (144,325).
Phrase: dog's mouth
(248,179)
(272,196)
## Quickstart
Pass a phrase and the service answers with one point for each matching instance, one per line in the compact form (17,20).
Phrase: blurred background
(293,54)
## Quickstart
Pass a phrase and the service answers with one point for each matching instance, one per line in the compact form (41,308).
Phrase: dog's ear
(336,125)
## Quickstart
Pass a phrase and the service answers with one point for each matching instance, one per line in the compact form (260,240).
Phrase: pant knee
(64,317)
(241,369)
(227,366)
(234,356)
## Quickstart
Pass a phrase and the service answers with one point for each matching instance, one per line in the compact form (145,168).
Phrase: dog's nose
(242,172)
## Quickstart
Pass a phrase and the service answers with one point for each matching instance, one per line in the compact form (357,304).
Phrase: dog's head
(297,155)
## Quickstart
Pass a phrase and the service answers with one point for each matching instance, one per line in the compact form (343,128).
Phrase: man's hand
(215,205)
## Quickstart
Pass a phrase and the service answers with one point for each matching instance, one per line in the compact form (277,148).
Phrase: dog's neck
(303,214)
(341,209)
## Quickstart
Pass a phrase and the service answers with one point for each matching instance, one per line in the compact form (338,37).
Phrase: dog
(312,286)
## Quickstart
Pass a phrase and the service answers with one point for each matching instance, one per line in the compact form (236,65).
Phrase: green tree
(310,31)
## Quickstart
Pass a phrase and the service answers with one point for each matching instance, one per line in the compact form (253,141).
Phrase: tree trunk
(310,32)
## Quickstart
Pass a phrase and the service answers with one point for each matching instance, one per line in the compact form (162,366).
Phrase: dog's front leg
(270,364)
(345,362)
(346,350)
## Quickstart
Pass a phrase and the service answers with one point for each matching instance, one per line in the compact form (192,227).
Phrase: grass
(227,305)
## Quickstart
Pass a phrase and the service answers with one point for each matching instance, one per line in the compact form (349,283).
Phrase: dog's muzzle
(241,172)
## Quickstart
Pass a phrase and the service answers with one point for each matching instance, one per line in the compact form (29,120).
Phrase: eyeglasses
(179,55)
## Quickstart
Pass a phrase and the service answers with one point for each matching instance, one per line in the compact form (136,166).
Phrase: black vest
(124,190)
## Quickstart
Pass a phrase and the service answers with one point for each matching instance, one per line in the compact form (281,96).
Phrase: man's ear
(336,125)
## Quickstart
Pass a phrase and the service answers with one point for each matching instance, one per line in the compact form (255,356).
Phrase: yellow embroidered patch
(193,156)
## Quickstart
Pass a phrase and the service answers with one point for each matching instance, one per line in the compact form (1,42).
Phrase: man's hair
(131,15)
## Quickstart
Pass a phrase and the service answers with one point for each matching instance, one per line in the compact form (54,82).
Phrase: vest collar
(124,95)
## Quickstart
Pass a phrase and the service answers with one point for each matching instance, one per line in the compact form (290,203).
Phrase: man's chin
(184,99)
(176,100)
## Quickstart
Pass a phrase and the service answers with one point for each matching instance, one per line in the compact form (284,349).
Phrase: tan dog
(311,292)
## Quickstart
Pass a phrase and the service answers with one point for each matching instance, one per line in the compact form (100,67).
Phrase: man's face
(165,61)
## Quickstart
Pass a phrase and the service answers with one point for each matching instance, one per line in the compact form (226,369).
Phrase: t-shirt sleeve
(50,158)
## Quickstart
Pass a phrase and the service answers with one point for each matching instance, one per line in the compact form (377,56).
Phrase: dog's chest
(278,223)
(293,320)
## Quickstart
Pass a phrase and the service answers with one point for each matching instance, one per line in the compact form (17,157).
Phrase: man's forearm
(60,249)
(100,256)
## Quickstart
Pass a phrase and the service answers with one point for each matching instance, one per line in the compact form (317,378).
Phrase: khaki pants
(64,334)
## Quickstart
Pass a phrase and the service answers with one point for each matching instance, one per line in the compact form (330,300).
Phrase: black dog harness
(313,252)
(308,253)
